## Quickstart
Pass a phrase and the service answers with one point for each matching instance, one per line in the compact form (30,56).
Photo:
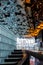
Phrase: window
(25,43)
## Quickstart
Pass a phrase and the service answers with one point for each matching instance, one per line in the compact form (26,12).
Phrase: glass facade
(7,42)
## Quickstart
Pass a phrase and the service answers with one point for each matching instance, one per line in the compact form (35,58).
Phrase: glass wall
(7,42)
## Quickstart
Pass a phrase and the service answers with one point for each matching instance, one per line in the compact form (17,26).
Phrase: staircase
(13,58)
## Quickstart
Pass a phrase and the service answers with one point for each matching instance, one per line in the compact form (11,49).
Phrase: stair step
(10,63)
(12,59)
(16,52)
(15,55)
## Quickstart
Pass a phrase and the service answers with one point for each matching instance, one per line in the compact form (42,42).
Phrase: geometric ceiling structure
(18,16)
(13,15)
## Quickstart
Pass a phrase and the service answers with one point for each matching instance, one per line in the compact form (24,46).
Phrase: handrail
(36,31)
(5,50)
(30,53)
(5,28)
(23,59)
(37,54)
(7,37)
(7,44)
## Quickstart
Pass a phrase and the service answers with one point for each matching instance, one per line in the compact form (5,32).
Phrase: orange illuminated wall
(27,1)
(36,31)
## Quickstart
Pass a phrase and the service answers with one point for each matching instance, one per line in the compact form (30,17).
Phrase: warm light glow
(27,1)
(35,32)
